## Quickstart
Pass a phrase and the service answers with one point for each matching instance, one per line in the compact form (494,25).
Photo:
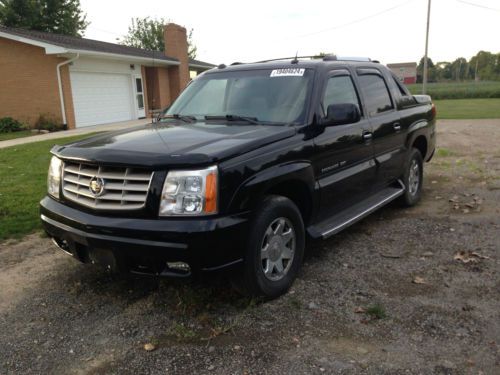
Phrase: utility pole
(477,63)
(424,79)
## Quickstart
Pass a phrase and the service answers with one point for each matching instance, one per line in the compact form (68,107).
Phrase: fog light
(179,266)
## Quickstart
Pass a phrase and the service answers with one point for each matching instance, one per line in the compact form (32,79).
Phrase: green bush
(8,125)
(46,122)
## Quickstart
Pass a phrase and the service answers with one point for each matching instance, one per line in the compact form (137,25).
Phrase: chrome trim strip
(235,262)
(329,177)
(60,248)
(134,241)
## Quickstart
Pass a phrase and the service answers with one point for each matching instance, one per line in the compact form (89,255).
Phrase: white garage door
(100,98)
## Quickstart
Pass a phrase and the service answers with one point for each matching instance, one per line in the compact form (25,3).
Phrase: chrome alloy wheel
(278,249)
(414,177)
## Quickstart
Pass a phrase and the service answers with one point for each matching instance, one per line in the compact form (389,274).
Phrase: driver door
(344,166)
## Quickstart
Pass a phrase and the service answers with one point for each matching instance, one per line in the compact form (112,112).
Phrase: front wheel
(275,248)
(413,178)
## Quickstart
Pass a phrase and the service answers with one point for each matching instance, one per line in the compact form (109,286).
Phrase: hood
(159,145)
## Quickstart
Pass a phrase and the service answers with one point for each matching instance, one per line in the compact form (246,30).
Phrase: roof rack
(290,58)
(354,58)
(294,59)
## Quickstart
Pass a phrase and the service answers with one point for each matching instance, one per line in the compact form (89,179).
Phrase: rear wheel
(413,178)
(275,248)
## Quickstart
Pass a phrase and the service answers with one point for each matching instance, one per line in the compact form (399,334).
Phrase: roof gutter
(59,82)
(129,58)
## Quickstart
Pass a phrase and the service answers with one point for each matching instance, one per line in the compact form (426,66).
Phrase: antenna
(295,60)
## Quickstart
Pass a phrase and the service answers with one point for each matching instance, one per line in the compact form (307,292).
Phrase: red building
(406,72)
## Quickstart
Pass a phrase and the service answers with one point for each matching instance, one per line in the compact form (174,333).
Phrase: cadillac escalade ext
(248,162)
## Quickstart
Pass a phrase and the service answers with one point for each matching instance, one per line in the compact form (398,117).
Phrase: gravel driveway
(413,291)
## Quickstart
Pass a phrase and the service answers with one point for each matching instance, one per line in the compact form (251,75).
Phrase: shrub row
(8,125)
(459,91)
(44,122)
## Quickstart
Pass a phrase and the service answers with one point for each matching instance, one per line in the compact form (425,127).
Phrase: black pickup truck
(248,162)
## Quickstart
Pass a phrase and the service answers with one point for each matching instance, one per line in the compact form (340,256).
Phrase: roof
(402,65)
(83,44)
(318,63)
(201,64)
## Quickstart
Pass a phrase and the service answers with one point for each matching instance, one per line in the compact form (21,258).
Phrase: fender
(420,127)
(251,191)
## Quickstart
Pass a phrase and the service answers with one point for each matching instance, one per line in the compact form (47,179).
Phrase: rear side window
(339,89)
(402,89)
(376,94)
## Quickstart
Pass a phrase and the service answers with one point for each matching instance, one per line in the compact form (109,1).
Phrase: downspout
(59,82)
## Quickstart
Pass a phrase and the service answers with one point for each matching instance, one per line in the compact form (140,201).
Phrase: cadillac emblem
(96,186)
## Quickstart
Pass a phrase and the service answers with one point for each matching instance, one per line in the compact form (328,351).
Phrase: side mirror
(342,113)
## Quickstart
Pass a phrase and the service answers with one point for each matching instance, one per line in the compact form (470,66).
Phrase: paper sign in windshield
(288,72)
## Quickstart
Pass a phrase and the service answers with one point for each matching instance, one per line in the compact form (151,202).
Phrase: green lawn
(13,135)
(467,108)
(23,182)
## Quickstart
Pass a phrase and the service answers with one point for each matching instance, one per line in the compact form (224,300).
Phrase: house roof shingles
(72,42)
(201,63)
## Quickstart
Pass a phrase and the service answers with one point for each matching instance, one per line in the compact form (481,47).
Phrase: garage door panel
(100,98)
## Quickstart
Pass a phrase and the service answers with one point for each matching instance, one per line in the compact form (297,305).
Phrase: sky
(386,30)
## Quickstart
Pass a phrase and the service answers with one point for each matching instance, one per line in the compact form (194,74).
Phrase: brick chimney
(176,46)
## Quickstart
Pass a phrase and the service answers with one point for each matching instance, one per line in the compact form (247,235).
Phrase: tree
(147,33)
(485,66)
(459,69)
(192,49)
(431,73)
(53,16)
(443,71)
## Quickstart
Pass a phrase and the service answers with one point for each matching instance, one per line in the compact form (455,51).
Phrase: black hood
(159,145)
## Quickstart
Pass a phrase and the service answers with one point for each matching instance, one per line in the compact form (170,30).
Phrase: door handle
(367,136)
(396,126)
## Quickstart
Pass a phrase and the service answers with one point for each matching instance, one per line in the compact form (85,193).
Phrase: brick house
(82,82)
(406,72)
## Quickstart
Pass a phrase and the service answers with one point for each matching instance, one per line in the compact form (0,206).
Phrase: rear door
(344,155)
(388,131)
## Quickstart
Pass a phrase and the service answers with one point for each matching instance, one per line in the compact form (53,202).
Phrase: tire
(413,178)
(276,236)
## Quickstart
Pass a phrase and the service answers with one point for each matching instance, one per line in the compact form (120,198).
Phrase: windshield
(267,95)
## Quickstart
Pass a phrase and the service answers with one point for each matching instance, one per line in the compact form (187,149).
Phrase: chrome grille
(124,188)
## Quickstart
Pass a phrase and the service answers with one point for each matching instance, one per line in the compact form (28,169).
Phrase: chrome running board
(353,214)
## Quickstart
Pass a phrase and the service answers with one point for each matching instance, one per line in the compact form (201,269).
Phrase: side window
(340,89)
(402,89)
(376,94)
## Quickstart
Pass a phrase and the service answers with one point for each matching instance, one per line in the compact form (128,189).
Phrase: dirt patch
(355,308)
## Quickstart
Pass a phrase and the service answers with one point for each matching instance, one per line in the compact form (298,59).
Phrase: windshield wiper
(251,120)
(176,116)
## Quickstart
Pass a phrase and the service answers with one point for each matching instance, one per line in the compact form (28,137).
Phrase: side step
(351,215)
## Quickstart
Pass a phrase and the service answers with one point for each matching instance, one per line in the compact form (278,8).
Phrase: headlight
(190,193)
(54,177)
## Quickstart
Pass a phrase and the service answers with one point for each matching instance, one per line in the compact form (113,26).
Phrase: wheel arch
(292,180)
(418,137)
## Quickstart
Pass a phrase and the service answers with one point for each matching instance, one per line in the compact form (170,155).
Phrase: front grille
(123,188)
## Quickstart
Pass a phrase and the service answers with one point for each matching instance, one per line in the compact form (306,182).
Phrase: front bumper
(146,245)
